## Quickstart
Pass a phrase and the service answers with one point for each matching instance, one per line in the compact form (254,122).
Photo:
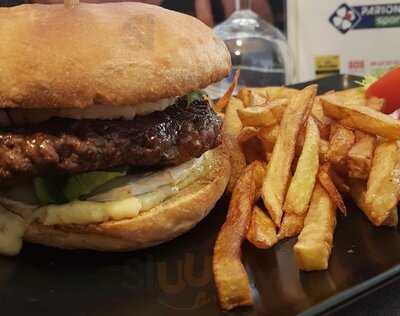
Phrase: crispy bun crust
(166,221)
(116,54)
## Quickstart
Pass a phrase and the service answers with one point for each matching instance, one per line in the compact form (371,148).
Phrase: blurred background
(277,42)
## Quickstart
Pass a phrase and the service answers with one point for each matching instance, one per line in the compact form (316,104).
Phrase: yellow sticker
(327,65)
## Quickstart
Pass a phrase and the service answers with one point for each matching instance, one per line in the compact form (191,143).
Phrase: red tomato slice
(388,88)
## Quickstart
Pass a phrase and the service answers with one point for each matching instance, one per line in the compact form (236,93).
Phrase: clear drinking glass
(257,47)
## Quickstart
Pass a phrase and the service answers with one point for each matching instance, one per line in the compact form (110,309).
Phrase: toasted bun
(173,217)
(115,54)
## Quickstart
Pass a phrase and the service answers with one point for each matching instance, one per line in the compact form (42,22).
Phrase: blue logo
(371,16)
(345,18)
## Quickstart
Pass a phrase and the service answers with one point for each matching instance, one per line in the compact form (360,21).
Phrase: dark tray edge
(355,293)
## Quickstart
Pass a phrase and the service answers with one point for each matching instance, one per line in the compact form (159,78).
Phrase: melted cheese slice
(12,229)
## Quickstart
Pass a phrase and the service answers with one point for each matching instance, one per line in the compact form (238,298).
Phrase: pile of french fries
(295,156)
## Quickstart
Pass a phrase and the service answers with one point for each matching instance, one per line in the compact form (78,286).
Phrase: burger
(107,141)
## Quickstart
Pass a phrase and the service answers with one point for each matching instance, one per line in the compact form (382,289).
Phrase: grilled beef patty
(166,138)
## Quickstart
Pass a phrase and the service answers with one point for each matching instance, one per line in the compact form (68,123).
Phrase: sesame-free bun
(164,222)
(114,54)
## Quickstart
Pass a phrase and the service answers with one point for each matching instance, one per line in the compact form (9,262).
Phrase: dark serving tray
(176,279)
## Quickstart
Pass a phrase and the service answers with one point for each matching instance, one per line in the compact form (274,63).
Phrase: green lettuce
(63,189)
(369,79)
(196,96)
(47,192)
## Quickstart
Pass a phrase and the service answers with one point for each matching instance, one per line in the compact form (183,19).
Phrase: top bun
(114,54)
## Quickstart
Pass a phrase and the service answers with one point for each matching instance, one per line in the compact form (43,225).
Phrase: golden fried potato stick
(376,216)
(230,130)
(291,226)
(251,97)
(247,133)
(327,183)
(263,116)
(276,182)
(220,105)
(245,95)
(253,150)
(340,142)
(383,186)
(302,184)
(359,158)
(274,93)
(262,231)
(340,182)
(268,137)
(314,245)
(251,145)
(317,112)
(393,219)
(354,95)
(230,277)
(361,117)
(323,122)
(323,150)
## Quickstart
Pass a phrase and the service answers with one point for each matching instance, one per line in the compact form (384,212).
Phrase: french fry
(340,142)
(230,277)
(361,117)
(326,182)
(324,129)
(276,182)
(321,120)
(383,186)
(314,244)
(359,158)
(253,150)
(358,189)
(318,112)
(251,145)
(251,97)
(323,150)
(268,137)
(302,184)
(268,156)
(376,104)
(263,116)
(224,101)
(393,219)
(353,95)
(231,129)
(245,96)
(261,232)
(274,93)
(291,226)
(339,181)
(247,133)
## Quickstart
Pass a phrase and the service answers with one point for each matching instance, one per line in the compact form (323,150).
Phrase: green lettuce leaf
(369,79)
(84,183)
(63,189)
(48,190)
(196,96)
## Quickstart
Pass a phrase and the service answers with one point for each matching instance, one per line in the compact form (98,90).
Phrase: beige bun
(116,54)
(170,219)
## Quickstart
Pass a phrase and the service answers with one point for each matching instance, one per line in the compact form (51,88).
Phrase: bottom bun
(164,222)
